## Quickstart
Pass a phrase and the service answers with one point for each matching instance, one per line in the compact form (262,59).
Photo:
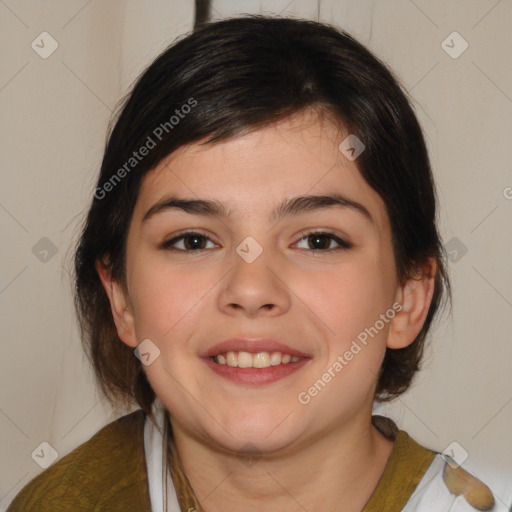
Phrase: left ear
(415,297)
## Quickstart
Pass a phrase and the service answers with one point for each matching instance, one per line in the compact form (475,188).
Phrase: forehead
(252,173)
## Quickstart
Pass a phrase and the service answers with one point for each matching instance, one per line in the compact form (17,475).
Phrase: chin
(254,445)
(255,436)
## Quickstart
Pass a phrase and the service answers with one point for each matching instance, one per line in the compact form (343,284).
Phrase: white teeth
(231,359)
(244,360)
(260,360)
(275,358)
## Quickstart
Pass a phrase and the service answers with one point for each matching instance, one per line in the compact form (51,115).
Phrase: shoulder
(107,469)
(447,486)
(418,479)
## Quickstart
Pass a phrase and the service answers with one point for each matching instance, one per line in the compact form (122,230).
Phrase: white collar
(153,448)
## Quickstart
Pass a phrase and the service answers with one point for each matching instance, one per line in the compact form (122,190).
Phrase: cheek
(347,298)
(166,298)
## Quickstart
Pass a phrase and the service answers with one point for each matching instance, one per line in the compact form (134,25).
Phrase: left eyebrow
(291,206)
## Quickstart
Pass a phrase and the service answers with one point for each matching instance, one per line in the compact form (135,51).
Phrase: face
(312,279)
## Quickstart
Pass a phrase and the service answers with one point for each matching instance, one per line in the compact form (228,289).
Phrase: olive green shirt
(108,473)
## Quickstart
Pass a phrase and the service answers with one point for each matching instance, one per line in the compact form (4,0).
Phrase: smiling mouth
(243,359)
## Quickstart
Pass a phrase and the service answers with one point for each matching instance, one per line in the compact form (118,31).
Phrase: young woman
(260,264)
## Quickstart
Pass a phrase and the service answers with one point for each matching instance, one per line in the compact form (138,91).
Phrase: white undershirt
(153,448)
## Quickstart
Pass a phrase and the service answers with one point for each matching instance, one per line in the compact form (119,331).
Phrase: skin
(326,452)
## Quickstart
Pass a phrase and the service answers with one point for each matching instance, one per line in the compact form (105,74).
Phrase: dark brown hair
(242,74)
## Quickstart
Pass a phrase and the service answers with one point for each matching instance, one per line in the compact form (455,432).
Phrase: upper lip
(253,345)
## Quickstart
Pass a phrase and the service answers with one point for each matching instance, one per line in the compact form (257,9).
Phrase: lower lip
(255,376)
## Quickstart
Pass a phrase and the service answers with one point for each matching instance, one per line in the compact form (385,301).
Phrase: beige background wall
(54,114)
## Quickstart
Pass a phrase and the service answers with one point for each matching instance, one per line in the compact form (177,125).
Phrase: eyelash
(343,245)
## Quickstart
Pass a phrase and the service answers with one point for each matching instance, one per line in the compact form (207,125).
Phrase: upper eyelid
(179,236)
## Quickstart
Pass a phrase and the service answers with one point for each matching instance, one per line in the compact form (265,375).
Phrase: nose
(255,288)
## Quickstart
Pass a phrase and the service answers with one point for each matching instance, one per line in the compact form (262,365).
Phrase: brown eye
(189,242)
(320,241)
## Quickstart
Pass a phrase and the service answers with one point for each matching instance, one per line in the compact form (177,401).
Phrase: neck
(339,470)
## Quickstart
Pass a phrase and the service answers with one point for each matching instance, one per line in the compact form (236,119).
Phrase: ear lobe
(415,297)
(121,311)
